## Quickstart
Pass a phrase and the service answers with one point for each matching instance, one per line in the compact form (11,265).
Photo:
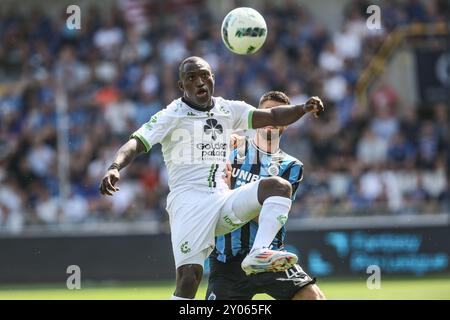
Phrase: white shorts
(196,217)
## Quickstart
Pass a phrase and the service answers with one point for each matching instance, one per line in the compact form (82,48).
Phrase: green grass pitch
(340,289)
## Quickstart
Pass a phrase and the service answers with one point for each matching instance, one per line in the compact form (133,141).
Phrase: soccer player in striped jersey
(251,160)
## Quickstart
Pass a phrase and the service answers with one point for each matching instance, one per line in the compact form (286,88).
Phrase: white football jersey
(195,143)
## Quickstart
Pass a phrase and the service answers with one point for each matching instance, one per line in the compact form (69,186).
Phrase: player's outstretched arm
(124,156)
(285,115)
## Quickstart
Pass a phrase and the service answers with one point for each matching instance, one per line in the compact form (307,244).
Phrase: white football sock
(179,298)
(272,217)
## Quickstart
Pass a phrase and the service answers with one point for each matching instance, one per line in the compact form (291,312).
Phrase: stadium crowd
(121,67)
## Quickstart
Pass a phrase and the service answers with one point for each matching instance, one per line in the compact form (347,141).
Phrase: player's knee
(280,187)
(274,186)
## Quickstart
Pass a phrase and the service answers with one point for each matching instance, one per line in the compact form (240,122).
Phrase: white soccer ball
(244,30)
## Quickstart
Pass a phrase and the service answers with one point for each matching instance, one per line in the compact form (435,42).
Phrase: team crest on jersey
(185,247)
(213,128)
(273,170)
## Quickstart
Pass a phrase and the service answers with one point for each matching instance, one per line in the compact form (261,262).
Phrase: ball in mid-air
(244,30)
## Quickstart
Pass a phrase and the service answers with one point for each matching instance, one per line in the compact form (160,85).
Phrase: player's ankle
(257,249)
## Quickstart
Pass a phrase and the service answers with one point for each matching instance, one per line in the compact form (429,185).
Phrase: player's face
(197,83)
(270,132)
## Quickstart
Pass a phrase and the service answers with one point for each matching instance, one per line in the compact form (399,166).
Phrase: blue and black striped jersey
(249,163)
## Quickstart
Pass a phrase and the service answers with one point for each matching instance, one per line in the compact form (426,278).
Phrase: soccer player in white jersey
(194,132)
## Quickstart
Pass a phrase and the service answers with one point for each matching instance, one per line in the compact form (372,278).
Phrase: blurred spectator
(329,59)
(385,124)
(109,38)
(347,42)
(429,145)
(400,150)
(371,148)
(47,208)
(120,115)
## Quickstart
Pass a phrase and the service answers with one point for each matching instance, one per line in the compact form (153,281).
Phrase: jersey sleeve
(155,130)
(294,174)
(242,115)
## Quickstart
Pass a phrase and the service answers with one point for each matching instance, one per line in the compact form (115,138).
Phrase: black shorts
(227,281)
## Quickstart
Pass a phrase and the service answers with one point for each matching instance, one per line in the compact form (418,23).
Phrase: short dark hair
(277,96)
(189,60)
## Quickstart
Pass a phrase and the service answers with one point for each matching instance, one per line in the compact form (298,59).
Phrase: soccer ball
(244,30)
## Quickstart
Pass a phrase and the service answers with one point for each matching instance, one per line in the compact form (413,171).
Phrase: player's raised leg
(270,198)
(275,196)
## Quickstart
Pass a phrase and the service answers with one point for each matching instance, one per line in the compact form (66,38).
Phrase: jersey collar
(197,108)
(262,151)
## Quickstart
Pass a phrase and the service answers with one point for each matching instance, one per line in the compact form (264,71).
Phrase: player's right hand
(107,186)
(314,105)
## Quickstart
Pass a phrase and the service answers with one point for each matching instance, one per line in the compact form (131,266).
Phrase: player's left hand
(314,105)
(236,141)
